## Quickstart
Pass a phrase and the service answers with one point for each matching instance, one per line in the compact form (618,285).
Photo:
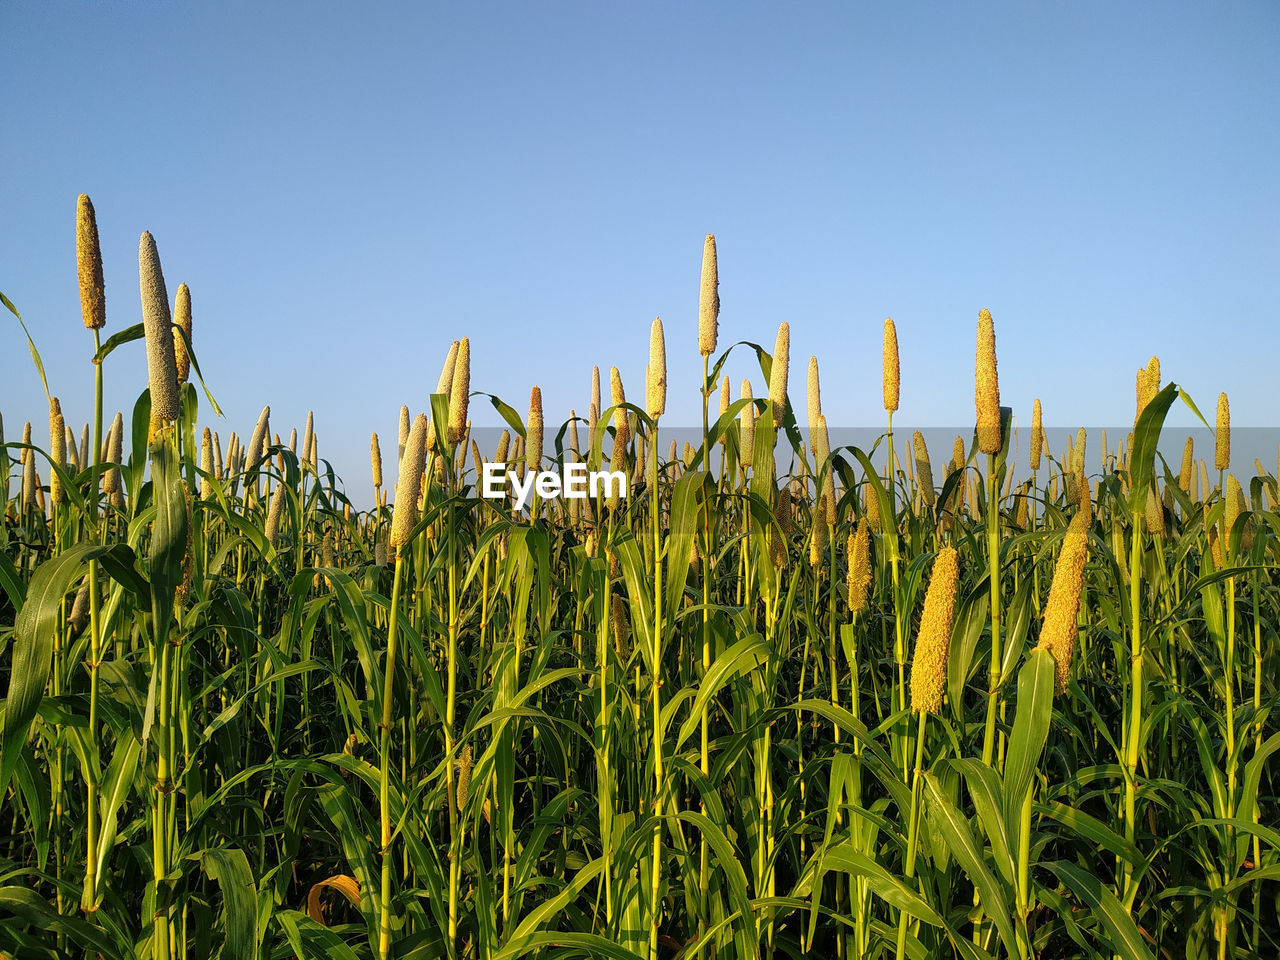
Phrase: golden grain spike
(1037,436)
(409,484)
(162,370)
(618,396)
(503,450)
(933,641)
(57,451)
(115,453)
(889,366)
(375,460)
(655,388)
(987,386)
(924,470)
(93,298)
(858,578)
(182,319)
(747,427)
(206,464)
(308,433)
(617,464)
(595,389)
(815,395)
(1232,507)
(1222,445)
(464,778)
(73,455)
(445,384)
(708,299)
(28,471)
(958,457)
(274,512)
(821,535)
(1154,514)
(1187,468)
(871,507)
(620,627)
(258,438)
(725,400)
(778,374)
(404,431)
(1058,632)
(533,443)
(459,391)
(821,452)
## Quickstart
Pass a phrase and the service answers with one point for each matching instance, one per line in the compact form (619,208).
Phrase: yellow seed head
(272,531)
(747,427)
(815,395)
(1188,466)
(93,300)
(783,512)
(871,508)
(1232,507)
(618,396)
(725,399)
(708,299)
(404,432)
(404,517)
(258,438)
(445,384)
(1222,446)
(1037,436)
(162,370)
(464,778)
(182,318)
(375,460)
(821,534)
(460,391)
(504,447)
(620,626)
(29,472)
(924,470)
(1154,514)
(987,386)
(533,443)
(1058,631)
(822,451)
(655,390)
(57,451)
(858,579)
(778,373)
(206,464)
(1143,393)
(933,641)
(958,457)
(890,373)
(617,464)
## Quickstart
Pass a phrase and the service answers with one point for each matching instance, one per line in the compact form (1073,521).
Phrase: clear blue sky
(347,188)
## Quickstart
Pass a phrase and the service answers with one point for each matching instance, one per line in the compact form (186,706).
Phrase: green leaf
(31,346)
(230,868)
(127,335)
(1125,938)
(34,631)
(1030,730)
(996,897)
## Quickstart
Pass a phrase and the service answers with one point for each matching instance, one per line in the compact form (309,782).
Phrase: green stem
(384,787)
